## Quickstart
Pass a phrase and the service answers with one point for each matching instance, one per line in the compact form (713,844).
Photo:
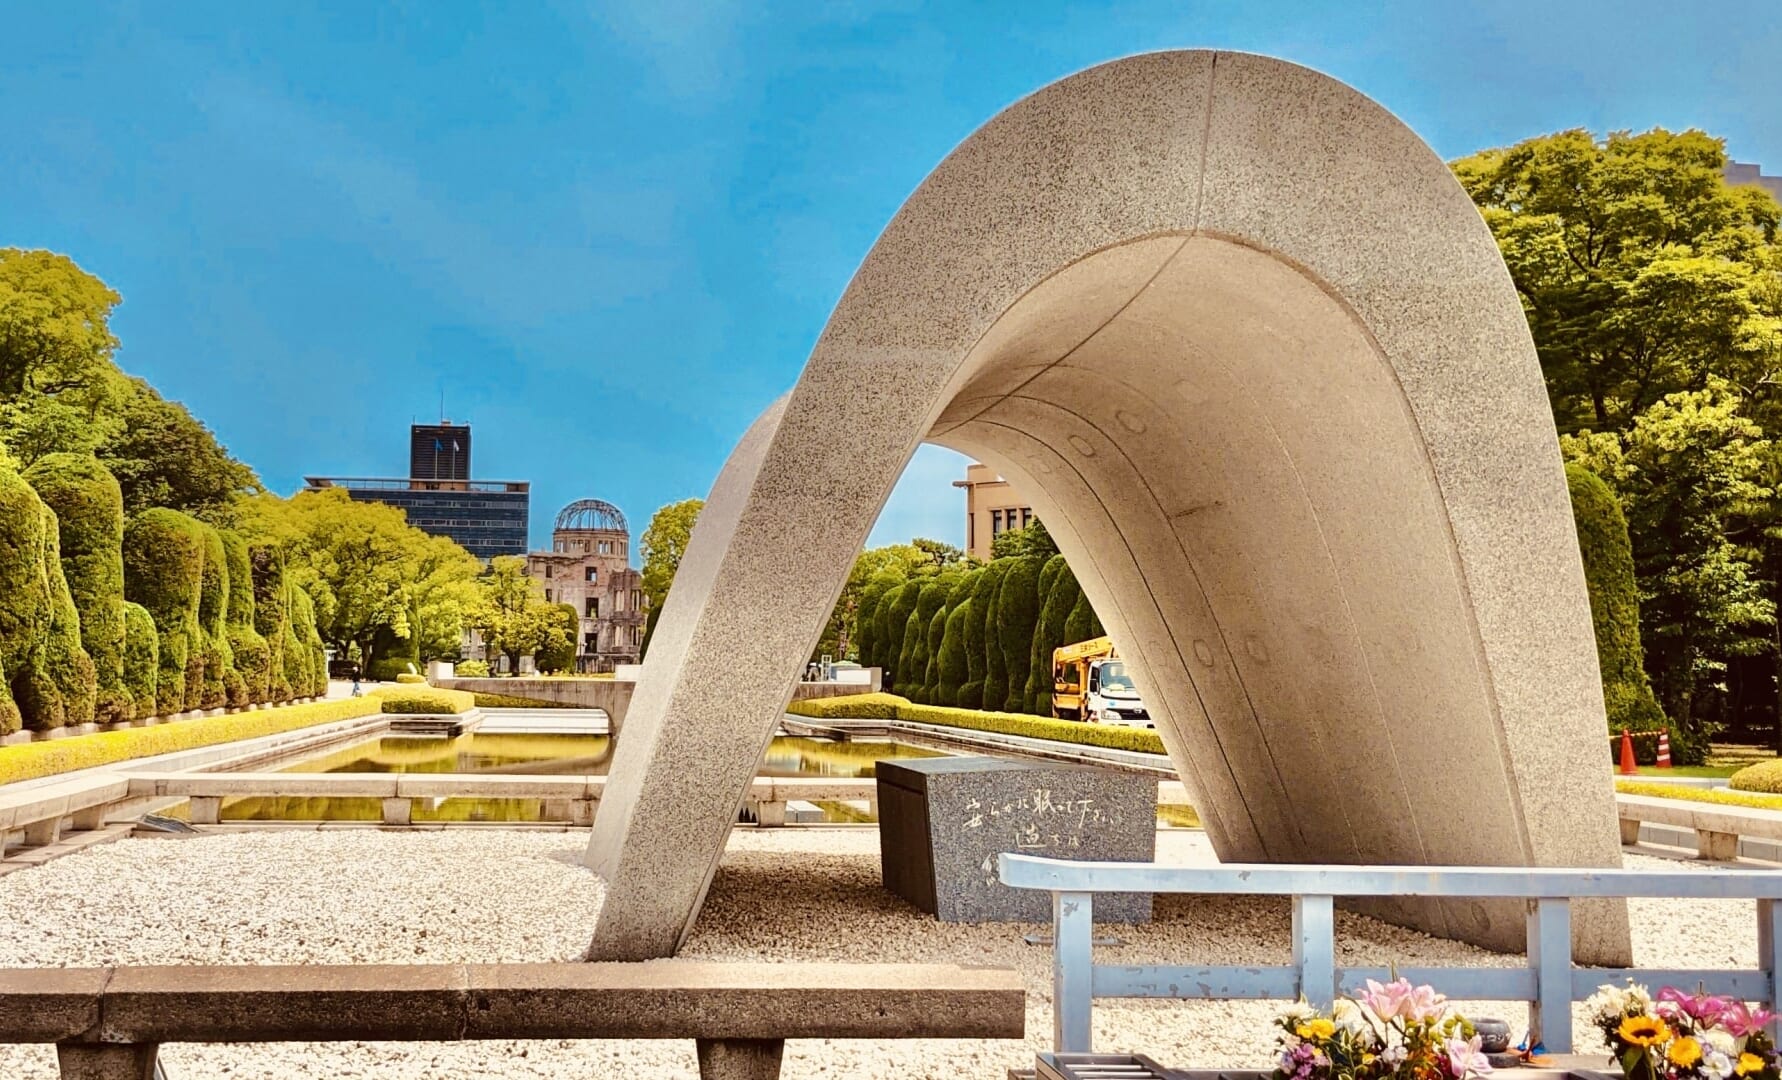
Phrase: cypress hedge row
(107,620)
(1017,611)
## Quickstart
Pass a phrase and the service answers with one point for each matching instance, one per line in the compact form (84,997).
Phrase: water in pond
(538,755)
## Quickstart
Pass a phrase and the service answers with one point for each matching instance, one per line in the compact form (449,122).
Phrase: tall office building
(992,507)
(486,517)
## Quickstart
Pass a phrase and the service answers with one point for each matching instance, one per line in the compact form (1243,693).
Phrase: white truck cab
(1112,698)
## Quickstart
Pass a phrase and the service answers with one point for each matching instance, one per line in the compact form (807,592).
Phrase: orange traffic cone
(1664,749)
(1628,768)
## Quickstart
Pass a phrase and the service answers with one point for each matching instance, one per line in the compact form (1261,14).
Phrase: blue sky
(611,234)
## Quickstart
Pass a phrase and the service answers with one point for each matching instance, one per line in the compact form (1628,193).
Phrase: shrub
(1081,624)
(907,679)
(409,699)
(1615,615)
(272,616)
(163,568)
(102,748)
(142,656)
(971,691)
(1017,612)
(511,701)
(310,662)
(89,510)
(392,669)
(892,707)
(471,669)
(216,665)
(1763,776)
(249,650)
(562,657)
(1058,594)
(951,661)
(849,707)
(996,672)
(409,678)
(1106,735)
(1706,795)
(46,678)
(931,605)
(893,621)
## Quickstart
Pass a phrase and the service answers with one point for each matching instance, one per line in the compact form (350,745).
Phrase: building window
(593,607)
(591,643)
(995,523)
(547,569)
(1026,515)
(605,548)
(592,575)
(547,596)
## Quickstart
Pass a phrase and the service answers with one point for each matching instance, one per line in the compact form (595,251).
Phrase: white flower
(1716,1065)
(1298,1011)
(1722,1041)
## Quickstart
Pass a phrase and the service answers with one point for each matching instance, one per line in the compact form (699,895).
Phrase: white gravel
(471,895)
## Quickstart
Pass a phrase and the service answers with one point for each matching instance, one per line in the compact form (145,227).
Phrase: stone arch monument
(1252,353)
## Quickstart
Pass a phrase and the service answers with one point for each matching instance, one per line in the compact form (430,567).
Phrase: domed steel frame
(591,515)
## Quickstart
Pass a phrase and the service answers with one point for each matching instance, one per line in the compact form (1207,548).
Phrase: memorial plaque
(943,821)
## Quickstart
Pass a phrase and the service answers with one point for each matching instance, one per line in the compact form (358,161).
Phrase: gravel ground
(793,894)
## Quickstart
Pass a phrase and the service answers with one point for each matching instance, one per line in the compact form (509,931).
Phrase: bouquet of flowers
(1391,1032)
(1684,1036)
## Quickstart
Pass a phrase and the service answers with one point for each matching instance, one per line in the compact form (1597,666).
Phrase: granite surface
(1252,354)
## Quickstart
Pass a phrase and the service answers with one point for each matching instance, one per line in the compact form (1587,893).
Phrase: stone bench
(1717,827)
(107,1023)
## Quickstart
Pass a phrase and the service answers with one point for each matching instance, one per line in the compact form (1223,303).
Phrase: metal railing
(1549,982)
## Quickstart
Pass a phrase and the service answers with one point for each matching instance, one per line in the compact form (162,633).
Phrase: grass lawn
(1690,770)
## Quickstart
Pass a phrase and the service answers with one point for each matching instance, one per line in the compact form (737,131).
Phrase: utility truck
(1089,682)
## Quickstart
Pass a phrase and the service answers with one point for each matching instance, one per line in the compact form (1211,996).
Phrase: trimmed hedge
(409,678)
(1763,776)
(1615,614)
(271,615)
(1695,794)
(931,622)
(892,707)
(86,751)
(511,701)
(971,691)
(142,656)
(1059,592)
(48,679)
(893,622)
(251,654)
(1017,613)
(423,699)
(471,669)
(393,669)
(89,508)
(1081,624)
(219,684)
(849,707)
(163,569)
(951,662)
(309,662)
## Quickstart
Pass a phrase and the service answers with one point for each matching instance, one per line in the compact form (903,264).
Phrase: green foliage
(71,680)
(1615,611)
(424,700)
(879,706)
(56,373)
(162,456)
(1059,592)
(397,669)
(559,653)
(930,599)
(1764,776)
(937,630)
(513,616)
(410,678)
(471,669)
(953,670)
(873,572)
(994,686)
(37,667)
(1017,613)
(1685,472)
(272,615)
(515,701)
(663,544)
(1081,624)
(33,760)
(892,707)
(308,664)
(893,619)
(142,658)
(211,665)
(1031,540)
(90,519)
(1716,795)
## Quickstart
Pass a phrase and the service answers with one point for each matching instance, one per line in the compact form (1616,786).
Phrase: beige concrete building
(589,568)
(1739,172)
(992,507)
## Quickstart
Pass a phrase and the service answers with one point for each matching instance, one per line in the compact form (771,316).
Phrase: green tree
(1058,594)
(163,572)
(1032,539)
(90,518)
(142,655)
(512,614)
(893,562)
(1641,271)
(1685,472)
(664,543)
(1017,613)
(56,372)
(893,621)
(558,654)
(162,456)
(1615,607)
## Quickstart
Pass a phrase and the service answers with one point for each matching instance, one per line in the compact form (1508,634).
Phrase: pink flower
(1739,1021)
(1424,1005)
(1464,1056)
(1699,1007)
(1386,1001)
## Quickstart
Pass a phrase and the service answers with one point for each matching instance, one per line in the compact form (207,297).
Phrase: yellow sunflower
(1748,1064)
(1643,1030)
(1684,1052)
(1315,1028)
